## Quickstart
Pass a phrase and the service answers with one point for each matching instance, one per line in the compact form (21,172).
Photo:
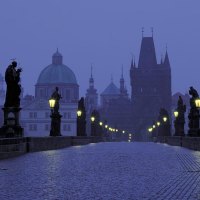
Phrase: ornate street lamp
(92,119)
(101,123)
(197,103)
(164,119)
(55,115)
(52,103)
(176,113)
(79,113)
(150,130)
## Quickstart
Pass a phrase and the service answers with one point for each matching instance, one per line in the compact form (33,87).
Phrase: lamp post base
(55,124)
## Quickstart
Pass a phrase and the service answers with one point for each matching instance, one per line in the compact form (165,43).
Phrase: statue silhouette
(12,78)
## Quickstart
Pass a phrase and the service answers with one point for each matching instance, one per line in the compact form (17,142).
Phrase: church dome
(111,90)
(57,72)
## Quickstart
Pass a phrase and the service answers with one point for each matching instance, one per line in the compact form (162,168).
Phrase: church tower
(150,86)
(91,99)
(123,90)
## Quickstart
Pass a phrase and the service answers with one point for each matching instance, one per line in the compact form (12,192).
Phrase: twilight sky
(102,32)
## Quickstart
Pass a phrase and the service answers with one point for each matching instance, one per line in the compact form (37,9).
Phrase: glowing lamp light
(164,119)
(197,103)
(79,113)
(106,126)
(150,130)
(101,123)
(154,126)
(92,119)
(158,123)
(123,131)
(52,103)
(176,114)
(116,130)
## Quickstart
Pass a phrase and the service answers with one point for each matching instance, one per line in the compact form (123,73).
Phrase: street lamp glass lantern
(164,119)
(176,114)
(92,118)
(150,130)
(106,126)
(197,102)
(52,103)
(79,113)
(101,123)
(158,123)
(123,131)
(154,126)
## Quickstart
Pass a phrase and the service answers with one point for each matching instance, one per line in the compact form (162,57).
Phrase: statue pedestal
(55,124)
(11,126)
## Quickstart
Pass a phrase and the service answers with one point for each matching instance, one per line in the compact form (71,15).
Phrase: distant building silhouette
(115,106)
(35,115)
(150,87)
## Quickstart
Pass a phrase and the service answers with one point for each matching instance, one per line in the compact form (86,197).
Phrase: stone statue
(194,114)
(194,95)
(56,96)
(180,119)
(12,78)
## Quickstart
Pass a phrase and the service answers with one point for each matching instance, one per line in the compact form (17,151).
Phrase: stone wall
(18,146)
(187,142)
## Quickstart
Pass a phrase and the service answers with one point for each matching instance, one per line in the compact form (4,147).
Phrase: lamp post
(164,119)
(79,125)
(81,118)
(93,123)
(176,124)
(55,119)
(197,104)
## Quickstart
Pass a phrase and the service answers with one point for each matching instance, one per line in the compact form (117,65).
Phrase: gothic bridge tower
(150,86)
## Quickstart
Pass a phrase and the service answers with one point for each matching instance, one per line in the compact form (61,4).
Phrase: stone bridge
(105,170)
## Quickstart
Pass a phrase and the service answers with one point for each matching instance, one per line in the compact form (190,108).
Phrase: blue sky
(104,33)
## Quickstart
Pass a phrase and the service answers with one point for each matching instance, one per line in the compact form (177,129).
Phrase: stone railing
(187,142)
(17,146)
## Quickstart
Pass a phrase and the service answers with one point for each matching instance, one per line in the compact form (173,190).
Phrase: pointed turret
(122,81)
(132,64)
(91,81)
(166,60)
(147,56)
(161,60)
(123,90)
(57,58)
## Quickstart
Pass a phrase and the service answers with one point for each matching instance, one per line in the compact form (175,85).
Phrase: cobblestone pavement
(103,171)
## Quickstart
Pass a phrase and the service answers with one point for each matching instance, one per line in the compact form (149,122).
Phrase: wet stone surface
(103,171)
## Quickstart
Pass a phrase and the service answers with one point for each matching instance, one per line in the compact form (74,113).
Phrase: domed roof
(111,90)
(57,72)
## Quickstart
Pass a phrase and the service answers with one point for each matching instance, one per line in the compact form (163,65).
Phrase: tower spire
(166,60)
(91,80)
(142,32)
(122,71)
(91,70)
